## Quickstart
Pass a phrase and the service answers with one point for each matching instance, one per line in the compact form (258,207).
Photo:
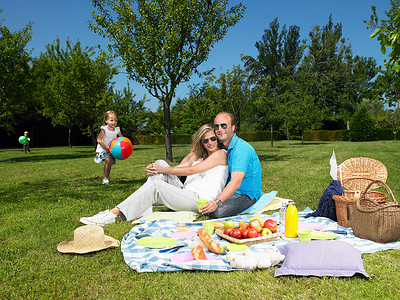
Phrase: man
(243,187)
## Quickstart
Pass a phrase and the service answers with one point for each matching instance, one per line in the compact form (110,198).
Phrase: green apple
(265,231)
(229,223)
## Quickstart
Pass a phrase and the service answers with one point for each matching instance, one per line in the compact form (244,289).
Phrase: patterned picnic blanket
(144,259)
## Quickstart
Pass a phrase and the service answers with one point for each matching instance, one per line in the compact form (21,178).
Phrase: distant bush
(362,126)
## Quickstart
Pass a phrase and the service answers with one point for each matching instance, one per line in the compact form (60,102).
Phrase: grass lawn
(44,193)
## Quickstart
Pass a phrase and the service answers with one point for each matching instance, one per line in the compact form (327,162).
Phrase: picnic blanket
(144,259)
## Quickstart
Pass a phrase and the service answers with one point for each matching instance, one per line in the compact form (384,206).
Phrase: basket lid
(361,167)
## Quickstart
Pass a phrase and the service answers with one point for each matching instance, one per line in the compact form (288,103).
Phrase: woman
(206,168)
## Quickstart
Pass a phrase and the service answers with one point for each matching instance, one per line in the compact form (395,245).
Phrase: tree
(279,53)
(161,43)
(15,75)
(74,88)
(199,108)
(362,126)
(387,32)
(326,61)
(235,91)
(132,115)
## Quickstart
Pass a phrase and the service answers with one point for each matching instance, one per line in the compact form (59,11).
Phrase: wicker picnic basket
(355,174)
(378,222)
(363,169)
(344,205)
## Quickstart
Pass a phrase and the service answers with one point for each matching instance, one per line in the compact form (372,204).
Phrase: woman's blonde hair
(108,114)
(197,145)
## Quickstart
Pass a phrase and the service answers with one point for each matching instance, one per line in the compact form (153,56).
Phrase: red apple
(252,233)
(256,224)
(236,233)
(245,233)
(243,225)
(271,225)
(228,230)
(259,234)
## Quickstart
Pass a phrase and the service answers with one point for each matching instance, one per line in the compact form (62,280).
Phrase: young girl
(108,132)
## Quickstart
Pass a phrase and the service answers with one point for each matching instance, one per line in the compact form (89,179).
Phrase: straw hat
(88,238)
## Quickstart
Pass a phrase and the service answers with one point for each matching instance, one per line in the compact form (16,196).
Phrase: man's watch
(219,202)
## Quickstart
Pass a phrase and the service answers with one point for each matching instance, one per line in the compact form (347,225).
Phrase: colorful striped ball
(121,148)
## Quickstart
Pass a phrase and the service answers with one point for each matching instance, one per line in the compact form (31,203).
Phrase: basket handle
(384,185)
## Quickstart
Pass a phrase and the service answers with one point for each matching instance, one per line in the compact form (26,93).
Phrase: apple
(236,233)
(243,225)
(257,218)
(271,225)
(245,233)
(255,223)
(259,234)
(228,230)
(252,233)
(265,231)
(229,223)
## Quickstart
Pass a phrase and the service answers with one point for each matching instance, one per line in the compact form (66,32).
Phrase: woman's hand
(209,207)
(150,170)
(153,169)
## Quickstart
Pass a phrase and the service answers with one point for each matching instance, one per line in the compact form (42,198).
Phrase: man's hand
(209,207)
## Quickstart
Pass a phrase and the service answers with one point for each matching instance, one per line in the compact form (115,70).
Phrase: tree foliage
(162,42)
(73,86)
(387,32)
(132,115)
(362,126)
(15,75)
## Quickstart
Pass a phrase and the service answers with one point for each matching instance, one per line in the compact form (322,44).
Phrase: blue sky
(69,19)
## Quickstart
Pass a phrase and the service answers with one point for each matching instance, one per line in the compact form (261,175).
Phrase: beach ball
(121,148)
(22,140)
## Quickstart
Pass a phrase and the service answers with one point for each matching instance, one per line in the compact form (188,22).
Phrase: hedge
(343,135)
(187,138)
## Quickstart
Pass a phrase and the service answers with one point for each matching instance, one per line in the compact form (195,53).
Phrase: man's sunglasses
(213,139)
(223,126)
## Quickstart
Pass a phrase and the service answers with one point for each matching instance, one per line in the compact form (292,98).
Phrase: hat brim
(69,247)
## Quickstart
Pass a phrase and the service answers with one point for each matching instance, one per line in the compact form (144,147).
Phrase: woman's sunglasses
(223,126)
(213,139)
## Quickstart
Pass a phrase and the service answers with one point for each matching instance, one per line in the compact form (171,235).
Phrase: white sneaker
(106,181)
(101,219)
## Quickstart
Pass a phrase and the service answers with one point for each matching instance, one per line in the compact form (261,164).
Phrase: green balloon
(22,140)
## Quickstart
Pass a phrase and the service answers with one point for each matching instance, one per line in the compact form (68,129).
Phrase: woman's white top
(209,184)
(108,137)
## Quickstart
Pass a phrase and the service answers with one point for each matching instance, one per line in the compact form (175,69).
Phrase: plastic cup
(208,226)
(200,203)
(304,235)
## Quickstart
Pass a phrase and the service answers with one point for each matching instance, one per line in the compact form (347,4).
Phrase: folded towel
(262,202)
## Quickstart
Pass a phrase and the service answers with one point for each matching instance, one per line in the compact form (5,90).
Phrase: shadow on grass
(37,158)
(48,190)
(263,157)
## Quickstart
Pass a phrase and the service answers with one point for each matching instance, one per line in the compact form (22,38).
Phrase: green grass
(44,193)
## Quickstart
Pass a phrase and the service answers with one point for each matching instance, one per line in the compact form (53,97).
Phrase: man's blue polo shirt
(242,157)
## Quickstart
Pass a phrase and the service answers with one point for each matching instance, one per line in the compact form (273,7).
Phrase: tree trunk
(272,135)
(287,134)
(94,137)
(167,130)
(69,136)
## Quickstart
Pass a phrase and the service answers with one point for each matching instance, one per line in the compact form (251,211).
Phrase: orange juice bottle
(291,220)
